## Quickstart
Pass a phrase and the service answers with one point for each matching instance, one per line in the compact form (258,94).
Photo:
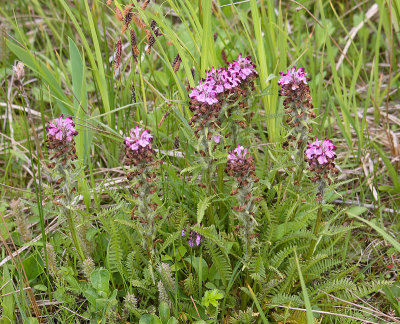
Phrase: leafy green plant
(216,217)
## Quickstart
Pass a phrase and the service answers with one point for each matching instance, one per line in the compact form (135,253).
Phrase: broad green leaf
(100,279)
(149,319)
(164,312)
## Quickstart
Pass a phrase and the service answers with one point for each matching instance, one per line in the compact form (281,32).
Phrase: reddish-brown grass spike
(148,35)
(118,14)
(176,63)
(127,9)
(163,118)
(138,22)
(117,54)
(155,29)
(150,40)
(135,50)
(109,2)
(133,93)
(145,4)
(128,18)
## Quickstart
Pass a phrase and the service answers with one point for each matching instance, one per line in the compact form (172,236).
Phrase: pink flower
(293,77)
(217,139)
(218,81)
(243,67)
(238,155)
(320,152)
(138,139)
(62,129)
(194,238)
(205,92)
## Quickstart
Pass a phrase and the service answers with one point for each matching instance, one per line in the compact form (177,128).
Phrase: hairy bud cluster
(241,166)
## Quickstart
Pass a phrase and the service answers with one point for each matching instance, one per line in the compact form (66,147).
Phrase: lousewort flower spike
(138,149)
(320,156)
(298,102)
(60,138)
(140,158)
(241,167)
(221,88)
(299,108)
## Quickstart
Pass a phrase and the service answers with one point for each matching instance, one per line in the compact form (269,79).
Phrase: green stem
(209,193)
(70,219)
(75,238)
(316,230)
(300,157)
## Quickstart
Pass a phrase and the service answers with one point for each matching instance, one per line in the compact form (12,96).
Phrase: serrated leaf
(202,207)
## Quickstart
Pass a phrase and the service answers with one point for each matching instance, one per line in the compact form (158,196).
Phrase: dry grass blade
(25,278)
(324,312)
(377,313)
(353,32)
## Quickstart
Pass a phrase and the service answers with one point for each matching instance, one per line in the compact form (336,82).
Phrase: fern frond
(115,249)
(202,206)
(257,268)
(189,285)
(287,300)
(329,287)
(221,262)
(171,239)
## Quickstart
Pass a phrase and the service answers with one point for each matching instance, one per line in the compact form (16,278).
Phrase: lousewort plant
(241,167)
(299,108)
(60,140)
(320,156)
(220,105)
(140,158)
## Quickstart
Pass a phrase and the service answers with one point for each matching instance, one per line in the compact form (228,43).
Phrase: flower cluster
(225,85)
(138,148)
(60,137)
(321,153)
(223,80)
(63,129)
(138,139)
(293,78)
(241,166)
(320,156)
(194,238)
(298,102)
(140,158)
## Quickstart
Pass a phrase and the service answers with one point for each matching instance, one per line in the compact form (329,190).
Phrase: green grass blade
(310,317)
